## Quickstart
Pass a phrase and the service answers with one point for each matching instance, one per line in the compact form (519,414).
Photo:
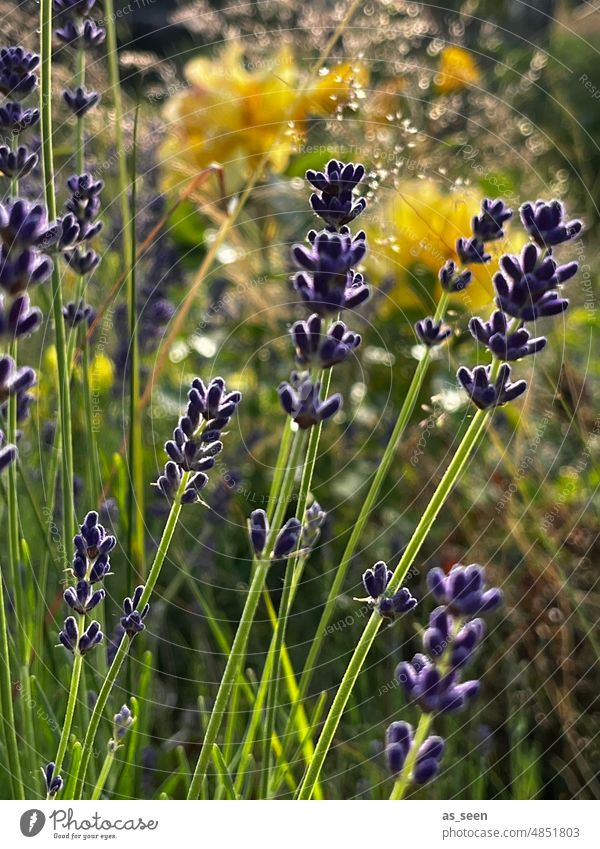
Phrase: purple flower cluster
(90,565)
(327,283)
(433,679)
(18,80)
(375,582)
(78,31)
(487,226)
(80,224)
(196,440)
(400,741)
(528,287)
(15,382)
(294,536)
(286,541)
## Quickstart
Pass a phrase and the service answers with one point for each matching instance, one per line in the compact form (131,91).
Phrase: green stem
(451,476)
(8,714)
(289,583)
(113,671)
(104,773)
(136,511)
(369,503)
(136,469)
(105,690)
(69,713)
(57,301)
(238,648)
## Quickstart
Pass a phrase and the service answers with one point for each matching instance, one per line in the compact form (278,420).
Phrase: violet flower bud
(483,392)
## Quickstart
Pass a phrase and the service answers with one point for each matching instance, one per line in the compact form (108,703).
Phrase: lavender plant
(249,738)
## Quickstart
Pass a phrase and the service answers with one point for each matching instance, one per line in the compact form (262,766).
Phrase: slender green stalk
(238,648)
(280,466)
(94,482)
(452,474)
(8,714)
(57,301)
(284,608)
(136,469)
(104,773)
(369,503)
(136,506)
(115,667)
(14,554)
(90,734)
(69,713)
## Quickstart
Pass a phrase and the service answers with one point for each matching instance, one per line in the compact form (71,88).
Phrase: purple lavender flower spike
(18,163)
(13,380)
(327,350)
(132,621)
(312,522)
(195,441)
(17,67)
(488,226)
(76,313)
(334,200)
(401,602)
(525,286)
(399,737)
(92,540)
(8,453)
(15,118)
(70,634)
(328,282)
(301,400)
(287,539)
(337,177)
(506,346)
(20,319)
(485,394)
(52,782)
(86,32)
(83,598)
(91,637)
(258,528)
(21,269)
(82,261)
(472,251)
(452,279)
(80,100)
(122,723)
(375,580)
(545,223)
(463,590)
(399,742)
(431,332)
(434,691)
(25,225)
(427,763)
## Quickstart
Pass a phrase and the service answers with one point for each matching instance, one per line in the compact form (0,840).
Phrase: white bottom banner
(219,824)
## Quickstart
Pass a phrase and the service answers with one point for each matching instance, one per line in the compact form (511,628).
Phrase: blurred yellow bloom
(102,373)
(414,232)
(457,70)
(233,114)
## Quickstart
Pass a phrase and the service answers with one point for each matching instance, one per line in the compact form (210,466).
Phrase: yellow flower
(234,114)
(102,374)
(414,232)
(457,70)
